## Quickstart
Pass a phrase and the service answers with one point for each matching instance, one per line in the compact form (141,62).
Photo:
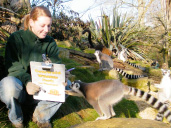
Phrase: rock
(82,54)
(113,74)
(140,83)
(147,113)
(122,123)
(67,43)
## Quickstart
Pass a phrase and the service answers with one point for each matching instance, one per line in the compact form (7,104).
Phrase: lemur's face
(96,53)
(75,86)
(165,72)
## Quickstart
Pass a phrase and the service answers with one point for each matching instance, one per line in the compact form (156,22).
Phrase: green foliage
(126,108)
(89,51)
(4,34)
(68,121)
(155,73)
(4,121)
(70,112)
(69,63)
(2,47)
(2,51)
(106,34)
(81,74)
(64,27)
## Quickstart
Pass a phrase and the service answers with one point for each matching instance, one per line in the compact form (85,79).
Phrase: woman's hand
(32,88)
(67,74)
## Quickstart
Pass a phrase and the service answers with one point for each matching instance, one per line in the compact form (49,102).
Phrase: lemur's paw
(102,118)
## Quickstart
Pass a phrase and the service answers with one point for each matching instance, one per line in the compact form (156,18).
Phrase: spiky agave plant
(121,31)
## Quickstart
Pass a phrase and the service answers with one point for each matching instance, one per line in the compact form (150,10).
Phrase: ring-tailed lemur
(102,95)
(122,55)
(106,63)
(164,93)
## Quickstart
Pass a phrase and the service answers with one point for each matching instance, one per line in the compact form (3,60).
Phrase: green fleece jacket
(23,47)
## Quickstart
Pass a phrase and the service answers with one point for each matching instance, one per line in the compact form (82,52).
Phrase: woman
(22,47)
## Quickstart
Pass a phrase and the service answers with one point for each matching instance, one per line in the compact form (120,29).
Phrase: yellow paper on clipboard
(50,81)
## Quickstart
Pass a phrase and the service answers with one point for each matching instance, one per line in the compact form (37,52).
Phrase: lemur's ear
(72,84)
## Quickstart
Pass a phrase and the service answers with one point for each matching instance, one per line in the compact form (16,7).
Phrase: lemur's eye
(77,85)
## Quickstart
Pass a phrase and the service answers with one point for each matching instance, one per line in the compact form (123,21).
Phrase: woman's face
(41,26)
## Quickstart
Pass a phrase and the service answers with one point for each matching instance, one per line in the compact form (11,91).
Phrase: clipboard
(50,77)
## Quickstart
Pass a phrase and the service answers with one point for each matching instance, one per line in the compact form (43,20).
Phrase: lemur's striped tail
(128,75)
(161,107)
(136,66)
(160,116)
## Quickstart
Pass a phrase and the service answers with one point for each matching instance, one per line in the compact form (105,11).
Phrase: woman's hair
(34,14)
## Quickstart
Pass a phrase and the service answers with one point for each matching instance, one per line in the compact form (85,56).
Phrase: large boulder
(123,123)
